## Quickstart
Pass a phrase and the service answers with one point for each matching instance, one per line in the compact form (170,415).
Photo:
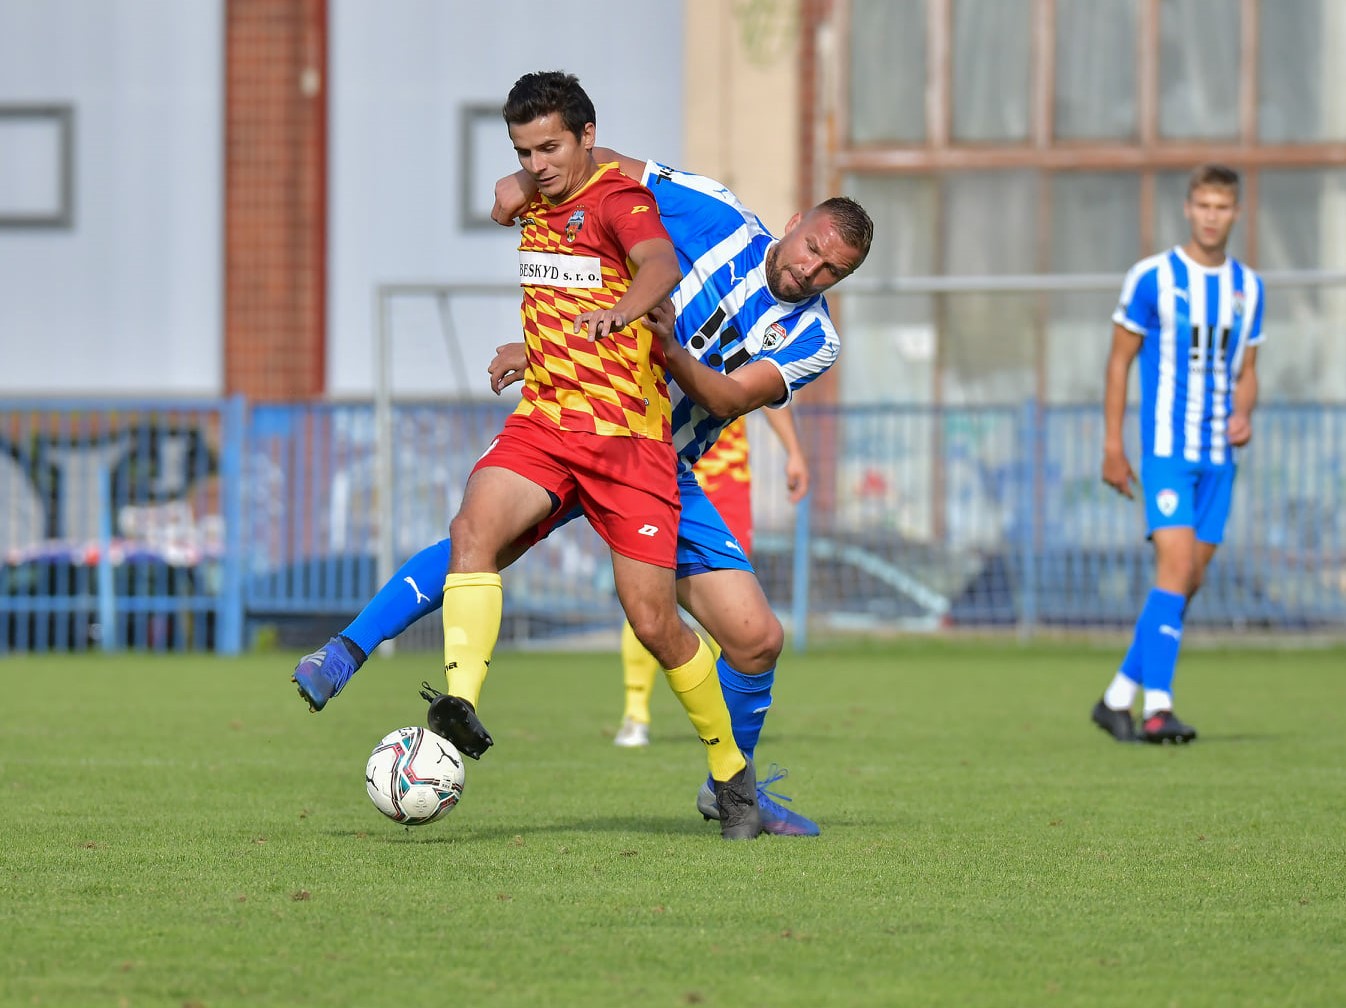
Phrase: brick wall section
(275,198)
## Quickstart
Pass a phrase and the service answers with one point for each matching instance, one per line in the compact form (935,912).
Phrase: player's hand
(796,477)
(510,200)
(1118,474)
(597,324)
(509,365)
(1240,429)
(661,318)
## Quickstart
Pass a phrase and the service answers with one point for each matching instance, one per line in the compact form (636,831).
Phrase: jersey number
(1196,356)
(728,338)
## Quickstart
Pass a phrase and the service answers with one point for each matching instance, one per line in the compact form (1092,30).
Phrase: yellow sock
(472,611)
(639,668)
(698,690)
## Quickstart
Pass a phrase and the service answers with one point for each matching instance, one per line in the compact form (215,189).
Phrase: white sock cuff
(1157,700)
(1121,692)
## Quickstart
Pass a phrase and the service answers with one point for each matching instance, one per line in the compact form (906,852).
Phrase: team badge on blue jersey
(574,224)
(773,337)
(1166,501)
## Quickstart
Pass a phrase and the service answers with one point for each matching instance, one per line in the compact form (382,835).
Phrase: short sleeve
(1138,307)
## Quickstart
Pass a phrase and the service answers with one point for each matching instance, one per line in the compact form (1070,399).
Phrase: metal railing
(153,525)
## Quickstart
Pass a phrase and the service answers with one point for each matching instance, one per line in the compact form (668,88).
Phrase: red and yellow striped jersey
(573,258)
(727,457)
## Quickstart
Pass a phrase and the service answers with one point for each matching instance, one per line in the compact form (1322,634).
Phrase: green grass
(179,831)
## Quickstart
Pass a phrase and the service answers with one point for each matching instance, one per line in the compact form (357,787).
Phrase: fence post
(799,590)
(1030,463)
(107,588)
(229,604)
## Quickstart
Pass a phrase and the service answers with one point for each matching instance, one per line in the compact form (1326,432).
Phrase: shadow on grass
(446,832)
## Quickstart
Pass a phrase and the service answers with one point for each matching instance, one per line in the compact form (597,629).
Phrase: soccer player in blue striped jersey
(1192,317)
(746,327)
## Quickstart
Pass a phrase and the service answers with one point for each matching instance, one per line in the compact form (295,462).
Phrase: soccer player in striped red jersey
(592,430)
(747,326)
(1192,316)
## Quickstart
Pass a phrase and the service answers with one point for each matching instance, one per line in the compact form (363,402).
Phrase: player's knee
(466,546)
(758,652)
(660,633)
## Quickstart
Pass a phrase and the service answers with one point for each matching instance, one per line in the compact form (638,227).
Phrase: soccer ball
(414,777)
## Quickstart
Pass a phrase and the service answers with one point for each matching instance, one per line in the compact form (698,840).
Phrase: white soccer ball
(414,776)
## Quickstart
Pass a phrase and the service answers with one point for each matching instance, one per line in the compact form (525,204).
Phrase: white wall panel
(401,73)
(128,298)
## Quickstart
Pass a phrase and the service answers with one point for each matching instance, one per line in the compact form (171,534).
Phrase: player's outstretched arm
(632,168)
(657,273)
(782,421)
(517,190)
(725,395)
(1117,471)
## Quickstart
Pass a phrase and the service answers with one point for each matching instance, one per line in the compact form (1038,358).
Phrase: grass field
(179,831)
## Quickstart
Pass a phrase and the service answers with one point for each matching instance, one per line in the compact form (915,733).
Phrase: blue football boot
(777,820)
(321,675)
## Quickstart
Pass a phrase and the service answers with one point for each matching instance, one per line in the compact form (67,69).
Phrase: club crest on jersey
(1238,302)
(574,224)
(774,336)
(1167,502)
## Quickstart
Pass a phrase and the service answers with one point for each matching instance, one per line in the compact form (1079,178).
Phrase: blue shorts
(704,540)
(1182,494)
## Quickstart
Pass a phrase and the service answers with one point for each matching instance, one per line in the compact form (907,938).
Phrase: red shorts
(731,494)
(626,486)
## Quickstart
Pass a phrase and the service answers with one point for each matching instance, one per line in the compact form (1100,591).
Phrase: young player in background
(1193,317)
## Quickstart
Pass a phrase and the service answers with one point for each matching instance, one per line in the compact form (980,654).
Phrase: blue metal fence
(120,525)
(988,516)
(179,525)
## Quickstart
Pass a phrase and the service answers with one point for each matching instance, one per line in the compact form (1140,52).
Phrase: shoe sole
(313,706)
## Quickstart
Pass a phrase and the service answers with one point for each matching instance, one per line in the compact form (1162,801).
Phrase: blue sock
(416,590)
(748,698)
(1159,634)
(1131,666)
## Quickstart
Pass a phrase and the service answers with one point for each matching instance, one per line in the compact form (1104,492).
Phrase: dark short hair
(1212,174)
(852,221)
(538,94)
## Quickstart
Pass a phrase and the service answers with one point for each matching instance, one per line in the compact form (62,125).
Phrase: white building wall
(128,299)
(401,74)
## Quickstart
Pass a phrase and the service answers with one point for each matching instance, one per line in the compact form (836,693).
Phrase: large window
(1019,155)
(1094,94)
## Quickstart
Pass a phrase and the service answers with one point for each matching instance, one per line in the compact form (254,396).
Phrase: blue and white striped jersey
(726,314)
(1196,323)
